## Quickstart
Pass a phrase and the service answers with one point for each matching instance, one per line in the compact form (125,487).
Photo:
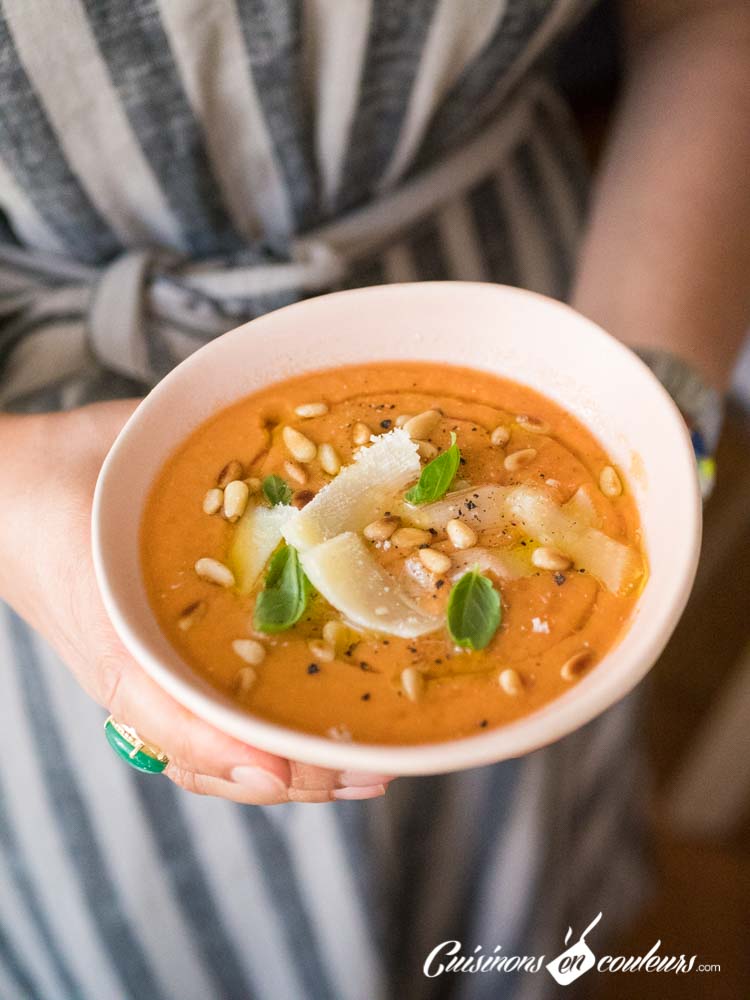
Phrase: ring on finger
(128,745)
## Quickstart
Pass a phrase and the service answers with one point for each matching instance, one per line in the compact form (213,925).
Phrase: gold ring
(127,744)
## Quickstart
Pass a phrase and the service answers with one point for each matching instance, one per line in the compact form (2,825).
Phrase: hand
(51,462)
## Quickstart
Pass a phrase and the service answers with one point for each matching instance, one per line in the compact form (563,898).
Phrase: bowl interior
(518,334)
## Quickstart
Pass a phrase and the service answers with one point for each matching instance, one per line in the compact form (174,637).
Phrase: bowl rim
(556,718)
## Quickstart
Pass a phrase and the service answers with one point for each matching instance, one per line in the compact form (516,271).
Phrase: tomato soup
(399,553)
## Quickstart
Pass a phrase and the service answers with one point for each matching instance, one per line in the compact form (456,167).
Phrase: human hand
(46,574)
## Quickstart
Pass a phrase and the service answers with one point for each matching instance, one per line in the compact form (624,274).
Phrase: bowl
(518,334)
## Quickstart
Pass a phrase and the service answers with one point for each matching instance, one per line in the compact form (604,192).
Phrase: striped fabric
(167,170)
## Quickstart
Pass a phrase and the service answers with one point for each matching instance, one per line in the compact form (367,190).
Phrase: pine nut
(191,614)
(378,531)
(235,499)
(609,482)
(421,426)
(403,419)
(336,634)
(295,472)
(434,561)
(518,459)
(427,450)
(244,680)
(361,433)
(575,665)
(307,410)
(410,538)
(213,501)
(460,534)
(340,733)
(546,557)
(300,447)
(533,424)
(249,650)
(412,682)
(213,571)
(232,470)
(510,681)
(500,436)
(302,498)
(253,484)
(329,459)
(321,650)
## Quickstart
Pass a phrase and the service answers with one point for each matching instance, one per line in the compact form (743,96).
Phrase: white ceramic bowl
(524,336)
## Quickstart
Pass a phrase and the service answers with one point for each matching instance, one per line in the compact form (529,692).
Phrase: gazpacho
(400,553)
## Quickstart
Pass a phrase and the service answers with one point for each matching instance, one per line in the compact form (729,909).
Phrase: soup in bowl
(411,528)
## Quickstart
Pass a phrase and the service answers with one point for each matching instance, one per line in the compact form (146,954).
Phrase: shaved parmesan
(257,534)
(503,563)
(344,572)
(479,506)
(360,493)
(581,510)
(533,512)
(617,566)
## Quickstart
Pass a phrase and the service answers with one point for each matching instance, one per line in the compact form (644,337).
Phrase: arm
(666,260)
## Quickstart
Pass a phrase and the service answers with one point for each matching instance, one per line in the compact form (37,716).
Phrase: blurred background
(698,696)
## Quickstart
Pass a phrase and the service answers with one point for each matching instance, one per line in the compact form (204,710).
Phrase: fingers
(317,784)
(206,761)
(254,789)
(257,789)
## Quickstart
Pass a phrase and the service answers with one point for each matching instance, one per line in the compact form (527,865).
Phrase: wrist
(700,403)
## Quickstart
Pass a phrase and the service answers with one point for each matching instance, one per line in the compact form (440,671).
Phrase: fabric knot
(117,315)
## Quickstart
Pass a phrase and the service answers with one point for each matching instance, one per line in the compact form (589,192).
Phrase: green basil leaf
(436,476)
(474,611)
(276,490)
(283,600)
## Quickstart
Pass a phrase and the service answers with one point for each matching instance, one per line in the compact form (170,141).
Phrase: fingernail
(263,785)
(360,792)
(363,778)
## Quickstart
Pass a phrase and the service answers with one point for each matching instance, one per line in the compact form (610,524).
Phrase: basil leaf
(474,611)
(283,599)
(436,476)
(276,490)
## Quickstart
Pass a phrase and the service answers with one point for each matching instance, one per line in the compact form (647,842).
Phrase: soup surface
(393,554)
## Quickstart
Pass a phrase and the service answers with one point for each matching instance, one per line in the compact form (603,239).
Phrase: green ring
(144,760)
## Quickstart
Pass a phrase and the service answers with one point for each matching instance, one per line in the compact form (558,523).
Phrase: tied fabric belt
(59,317)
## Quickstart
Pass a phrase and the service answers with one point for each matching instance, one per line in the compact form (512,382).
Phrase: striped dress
(168,170)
